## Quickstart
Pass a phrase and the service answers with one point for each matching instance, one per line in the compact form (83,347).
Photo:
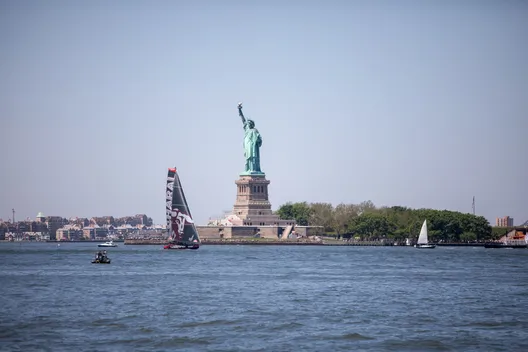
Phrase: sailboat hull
(426,246)
(179,248)
(168,246)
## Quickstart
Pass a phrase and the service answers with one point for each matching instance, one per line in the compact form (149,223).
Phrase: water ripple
(262,298)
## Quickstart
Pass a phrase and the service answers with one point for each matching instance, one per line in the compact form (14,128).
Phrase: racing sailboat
(180,225)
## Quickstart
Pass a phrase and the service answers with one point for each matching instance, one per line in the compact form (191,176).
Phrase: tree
(300,212)
(150,222)
(396,222)
(321,214)
(468,237)
(405,220)
(343,215)
(285,211)
(372,226)
(365,207)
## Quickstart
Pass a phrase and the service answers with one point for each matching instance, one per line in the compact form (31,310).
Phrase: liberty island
(252,215)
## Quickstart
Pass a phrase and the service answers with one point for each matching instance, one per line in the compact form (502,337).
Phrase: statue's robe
(252,143)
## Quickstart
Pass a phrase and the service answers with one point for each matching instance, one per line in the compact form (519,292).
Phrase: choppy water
(262,298)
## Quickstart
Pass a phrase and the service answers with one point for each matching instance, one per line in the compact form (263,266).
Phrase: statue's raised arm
(241,114)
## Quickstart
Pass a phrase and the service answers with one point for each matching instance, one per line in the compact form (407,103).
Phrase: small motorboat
(101,258)
(107,244)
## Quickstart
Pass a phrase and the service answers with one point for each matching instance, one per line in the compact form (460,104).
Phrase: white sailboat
(423,241)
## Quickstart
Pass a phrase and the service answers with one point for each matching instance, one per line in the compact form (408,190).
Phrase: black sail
(168,199)
(181,226)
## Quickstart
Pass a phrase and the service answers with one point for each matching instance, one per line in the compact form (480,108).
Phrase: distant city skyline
(505,221)
(419,104)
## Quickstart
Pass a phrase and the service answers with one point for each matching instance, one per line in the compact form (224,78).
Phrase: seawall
(266,242)
(227,242)
(145,242)
(263,242)
(84,241)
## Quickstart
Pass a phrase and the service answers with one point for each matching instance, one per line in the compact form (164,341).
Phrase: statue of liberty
(252,143)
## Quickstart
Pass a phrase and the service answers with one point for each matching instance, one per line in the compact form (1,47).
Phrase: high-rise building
(505,221)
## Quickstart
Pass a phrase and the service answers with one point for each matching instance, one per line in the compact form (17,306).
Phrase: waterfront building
(69,233)
(40,217)
(505,221)
(95,233)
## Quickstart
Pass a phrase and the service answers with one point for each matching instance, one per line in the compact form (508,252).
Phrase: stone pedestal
(252,203)
(252,214)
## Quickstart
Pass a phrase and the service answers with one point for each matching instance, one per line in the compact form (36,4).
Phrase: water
(262,298)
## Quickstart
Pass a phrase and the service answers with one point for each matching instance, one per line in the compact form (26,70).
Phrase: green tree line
(367,222)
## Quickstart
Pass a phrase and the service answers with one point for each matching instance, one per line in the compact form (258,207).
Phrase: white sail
(422,239)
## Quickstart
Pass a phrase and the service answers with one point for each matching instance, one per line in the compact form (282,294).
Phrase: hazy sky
(415,103)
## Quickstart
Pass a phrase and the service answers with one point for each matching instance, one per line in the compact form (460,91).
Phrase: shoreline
(236,242)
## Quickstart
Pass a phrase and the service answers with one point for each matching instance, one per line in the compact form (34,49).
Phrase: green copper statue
(252,143)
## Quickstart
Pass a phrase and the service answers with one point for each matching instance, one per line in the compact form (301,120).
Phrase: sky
(412,103)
